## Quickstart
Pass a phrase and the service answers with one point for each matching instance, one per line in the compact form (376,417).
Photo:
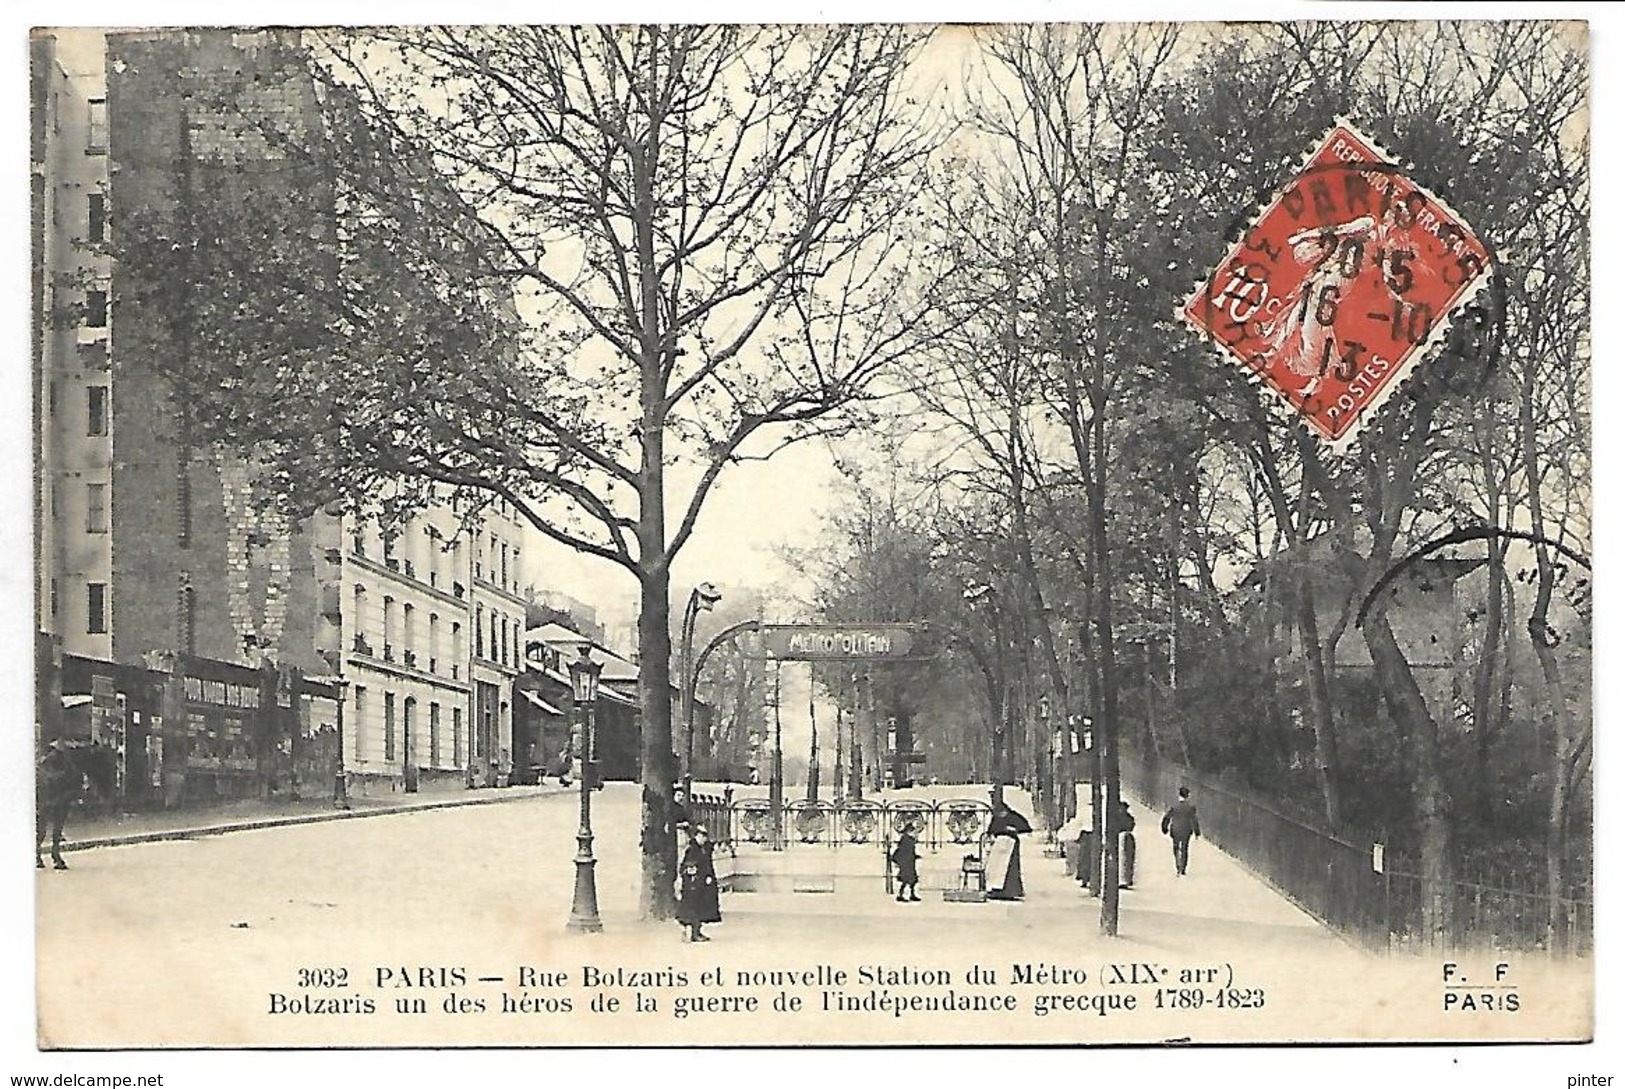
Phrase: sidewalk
(151,826)
(1219,906)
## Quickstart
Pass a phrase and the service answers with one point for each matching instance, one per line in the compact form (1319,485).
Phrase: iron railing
(952,822)
(714,814)
(1337,881)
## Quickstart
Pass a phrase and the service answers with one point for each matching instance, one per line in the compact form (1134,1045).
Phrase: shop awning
(537,701)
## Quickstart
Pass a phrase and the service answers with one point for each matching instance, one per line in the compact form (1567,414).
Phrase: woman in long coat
(697,900)
(1004,854)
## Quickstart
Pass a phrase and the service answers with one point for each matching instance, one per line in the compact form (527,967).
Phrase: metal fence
(1337,881)
(715,814)
(953,822)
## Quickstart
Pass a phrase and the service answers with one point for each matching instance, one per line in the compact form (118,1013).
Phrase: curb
(257,824)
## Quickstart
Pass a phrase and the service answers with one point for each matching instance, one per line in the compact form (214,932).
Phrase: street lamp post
(704,596)
(584,688)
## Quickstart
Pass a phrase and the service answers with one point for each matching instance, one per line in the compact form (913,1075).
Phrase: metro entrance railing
(852,823)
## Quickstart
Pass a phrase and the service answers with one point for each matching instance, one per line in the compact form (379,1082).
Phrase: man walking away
(1181,824)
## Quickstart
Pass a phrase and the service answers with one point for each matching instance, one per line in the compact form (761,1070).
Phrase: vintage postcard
(863,534)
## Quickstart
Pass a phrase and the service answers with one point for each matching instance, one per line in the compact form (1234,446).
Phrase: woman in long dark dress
(1004,856)
(697,900)
(1124,827)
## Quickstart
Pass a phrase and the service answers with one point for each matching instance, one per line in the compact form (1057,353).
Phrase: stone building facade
(154,551)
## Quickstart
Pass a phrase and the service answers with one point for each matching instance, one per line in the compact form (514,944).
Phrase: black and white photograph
(711,534)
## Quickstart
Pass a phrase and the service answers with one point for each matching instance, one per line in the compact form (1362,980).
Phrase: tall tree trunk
(1559,722)
(659,844)
(1485,687)
(1321,711)
(657,899)
(840,753)
(1105,642)
(812,757)
(1428,796)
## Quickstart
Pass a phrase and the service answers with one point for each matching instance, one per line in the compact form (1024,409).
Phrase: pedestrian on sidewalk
(1088,858)
(1123,828)
(563,766)
(697,899)
(1005,829)
(906,857)
(1181,824)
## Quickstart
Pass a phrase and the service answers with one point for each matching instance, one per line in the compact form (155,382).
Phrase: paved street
(185,942)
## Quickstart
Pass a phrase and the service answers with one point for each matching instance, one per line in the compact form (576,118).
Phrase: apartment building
(73,418)
(432,650)
(151,551)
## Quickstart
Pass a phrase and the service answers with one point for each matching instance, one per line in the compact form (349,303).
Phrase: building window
(96,309)
(504,567)
(389,628)
(98,125)
(187,608)
(358,619)
(389,725)
(96,608)
(96,410)
(479,631)
(56,600)
(360,727)
(97,218)
(183,502)
(434,642)
(95,508)
(407,622)
(457,736)
(434,735)
(457,654)
(409,547)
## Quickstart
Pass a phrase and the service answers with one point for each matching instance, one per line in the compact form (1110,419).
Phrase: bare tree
(691,232)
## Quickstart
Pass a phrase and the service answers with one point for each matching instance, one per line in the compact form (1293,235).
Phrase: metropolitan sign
(841,642)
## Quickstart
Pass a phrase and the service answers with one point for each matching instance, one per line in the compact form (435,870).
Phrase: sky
(758,507)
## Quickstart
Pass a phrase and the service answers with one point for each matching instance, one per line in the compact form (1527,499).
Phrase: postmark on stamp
(1340,286)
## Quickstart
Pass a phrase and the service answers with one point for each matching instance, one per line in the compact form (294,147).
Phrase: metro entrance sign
(843,642)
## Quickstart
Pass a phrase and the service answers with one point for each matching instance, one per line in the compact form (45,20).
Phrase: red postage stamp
(1340,286)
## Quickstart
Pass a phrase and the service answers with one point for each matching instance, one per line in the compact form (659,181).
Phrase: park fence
(1371,896)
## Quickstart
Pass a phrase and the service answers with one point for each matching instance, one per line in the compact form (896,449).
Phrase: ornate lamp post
(584,687)
(704,596)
